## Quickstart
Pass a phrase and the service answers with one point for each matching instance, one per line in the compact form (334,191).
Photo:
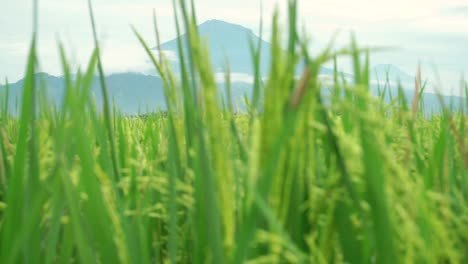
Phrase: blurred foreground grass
(293,180)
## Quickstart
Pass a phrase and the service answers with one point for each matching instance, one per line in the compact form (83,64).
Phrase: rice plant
(301,177)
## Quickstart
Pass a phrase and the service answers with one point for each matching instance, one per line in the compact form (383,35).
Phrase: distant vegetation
(301,176)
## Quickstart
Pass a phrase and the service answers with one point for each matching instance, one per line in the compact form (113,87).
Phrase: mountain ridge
(132,91)
(137,93)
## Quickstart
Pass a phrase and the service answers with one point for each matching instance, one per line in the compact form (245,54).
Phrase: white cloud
(235,77)
(168,55)
(125,59)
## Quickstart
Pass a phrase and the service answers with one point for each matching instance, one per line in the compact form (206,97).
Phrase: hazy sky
(433,32)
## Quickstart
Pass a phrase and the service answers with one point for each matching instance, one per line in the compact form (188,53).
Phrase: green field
(298,178)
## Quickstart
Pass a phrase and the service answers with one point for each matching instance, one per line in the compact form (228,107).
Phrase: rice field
(292,180)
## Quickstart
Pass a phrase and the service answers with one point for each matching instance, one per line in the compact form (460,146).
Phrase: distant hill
(135,93)
(228,42)
(132,93)
(383,71)
(138,93)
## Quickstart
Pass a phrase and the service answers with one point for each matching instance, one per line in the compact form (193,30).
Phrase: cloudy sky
(432,32)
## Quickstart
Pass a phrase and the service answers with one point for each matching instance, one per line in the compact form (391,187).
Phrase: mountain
(138,93)
(135,93)
(227,42)
(132,93)
(381,72)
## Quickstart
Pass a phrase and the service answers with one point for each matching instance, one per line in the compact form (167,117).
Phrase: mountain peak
(221,35)
(215,22)
(215,25)
(226,42)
